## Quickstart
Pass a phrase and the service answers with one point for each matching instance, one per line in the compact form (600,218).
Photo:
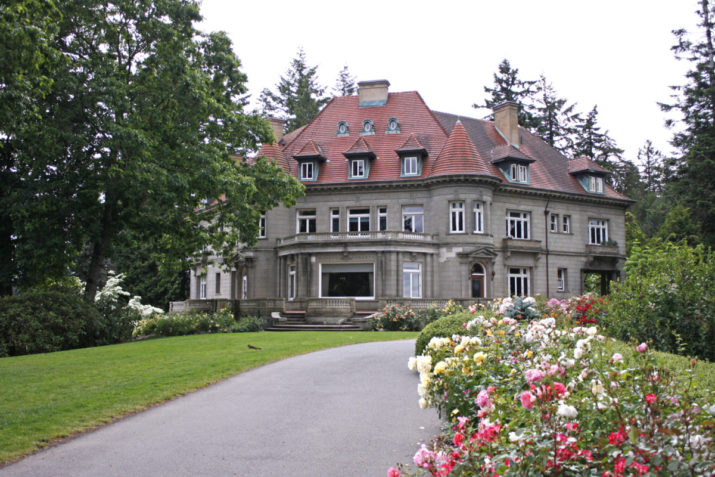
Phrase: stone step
(312,327)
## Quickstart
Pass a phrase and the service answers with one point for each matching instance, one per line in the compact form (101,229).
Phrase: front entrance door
(478,281)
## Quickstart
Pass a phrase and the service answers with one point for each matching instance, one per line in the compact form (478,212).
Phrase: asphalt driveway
(349,411)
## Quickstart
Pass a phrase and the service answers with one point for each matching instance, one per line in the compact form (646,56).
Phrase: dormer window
(595,184)
(343,129)
(307,171)
(393,126)
(519,173)
(411,166)
(368,127)
(357,169)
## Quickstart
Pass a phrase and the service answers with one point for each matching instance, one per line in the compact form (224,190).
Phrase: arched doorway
(479,289)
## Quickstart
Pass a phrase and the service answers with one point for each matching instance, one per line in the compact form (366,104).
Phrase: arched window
(479,283)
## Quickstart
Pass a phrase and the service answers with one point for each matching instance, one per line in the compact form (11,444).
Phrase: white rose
(423,403)
(412,364)
(567,411)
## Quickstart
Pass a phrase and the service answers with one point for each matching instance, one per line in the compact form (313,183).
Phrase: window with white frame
(478,216)
(517,225)
(456,218)
(202,287)
(561,279)
(382,219)
(262,227)
(335,221)
(411,280)
(566,224)
(218,283)
(244,287)
(519,173)
(410,166)
(358,220)
(307,171)
(357,168)
(518,281)
(595,184)
(554,223)
(306,222)
(597,231)
(413,219)
(292,282)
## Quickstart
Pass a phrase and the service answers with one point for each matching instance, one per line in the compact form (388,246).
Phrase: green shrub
(443,327)
(248,324)
(667,298)
(180,324)
(42,321)
(429,315)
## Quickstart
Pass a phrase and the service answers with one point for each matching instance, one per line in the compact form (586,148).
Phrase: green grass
(45,397)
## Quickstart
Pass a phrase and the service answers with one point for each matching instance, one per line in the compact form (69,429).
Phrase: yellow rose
(501,332)
(529,354)
(479,357)
(440,367)
(458,349)
(517,334)
(489,332)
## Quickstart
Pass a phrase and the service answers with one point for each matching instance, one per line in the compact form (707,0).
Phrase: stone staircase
(297,321)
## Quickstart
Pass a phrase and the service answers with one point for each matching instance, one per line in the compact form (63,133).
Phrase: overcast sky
(611,53)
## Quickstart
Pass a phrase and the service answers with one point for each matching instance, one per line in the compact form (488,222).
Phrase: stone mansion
(407,204)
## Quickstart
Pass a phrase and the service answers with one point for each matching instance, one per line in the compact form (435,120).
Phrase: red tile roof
(310,150)
(360,148)
(584,164)
(451,144)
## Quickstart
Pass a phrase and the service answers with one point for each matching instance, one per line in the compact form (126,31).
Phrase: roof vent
(373,93)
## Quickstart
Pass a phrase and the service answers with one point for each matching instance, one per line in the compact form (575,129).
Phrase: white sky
(611,53)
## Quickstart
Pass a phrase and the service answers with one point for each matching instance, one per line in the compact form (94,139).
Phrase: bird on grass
(254,347)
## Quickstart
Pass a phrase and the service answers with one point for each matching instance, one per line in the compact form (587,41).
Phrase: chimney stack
(506,119)
(373,93)
(277,125)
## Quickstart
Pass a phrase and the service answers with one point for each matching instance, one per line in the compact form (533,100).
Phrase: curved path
(349,411)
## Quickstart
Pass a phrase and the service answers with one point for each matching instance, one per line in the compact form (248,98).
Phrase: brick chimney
(373,93)
(506,119)
(277,125)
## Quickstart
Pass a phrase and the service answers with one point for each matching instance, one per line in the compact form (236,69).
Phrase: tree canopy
(143,119)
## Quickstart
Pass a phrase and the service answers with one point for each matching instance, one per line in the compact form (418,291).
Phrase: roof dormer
(589,175)
(512,163)
(359,157)
(309,158)
(412,154)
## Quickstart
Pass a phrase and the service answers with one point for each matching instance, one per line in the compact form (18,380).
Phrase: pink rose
(392,472)
(533,375)
(651,398)
(483,399)
(559,388)
(527,400)
(642,347)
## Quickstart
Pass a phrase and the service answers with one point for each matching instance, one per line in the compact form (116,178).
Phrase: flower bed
(547,397)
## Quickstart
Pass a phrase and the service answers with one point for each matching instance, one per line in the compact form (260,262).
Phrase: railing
(424,303)
(330,306)
(348,236)
(609,250)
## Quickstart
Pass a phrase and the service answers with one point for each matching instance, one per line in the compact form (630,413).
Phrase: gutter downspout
(546,242)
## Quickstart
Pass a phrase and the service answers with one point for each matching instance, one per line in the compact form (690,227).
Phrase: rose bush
(548,397)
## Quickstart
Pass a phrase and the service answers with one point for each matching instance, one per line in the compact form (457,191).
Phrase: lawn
(46,397)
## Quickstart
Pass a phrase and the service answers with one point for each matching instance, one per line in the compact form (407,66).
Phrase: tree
(653,167)
(299,97)
(695,102)
(554,117)
(141,122)
(592,143)
(345,84)
(509,87)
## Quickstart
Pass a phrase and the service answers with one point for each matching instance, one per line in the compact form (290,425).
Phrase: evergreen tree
(509,87)
(695,101)
(653,167)
(298,97)
(555,118)
(345,84)
(591,142)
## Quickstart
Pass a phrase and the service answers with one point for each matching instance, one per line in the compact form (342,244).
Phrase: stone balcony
(510,245)
(356,237)
(603,251)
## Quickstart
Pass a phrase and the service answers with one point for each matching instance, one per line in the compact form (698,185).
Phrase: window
(518,281)
(202,287)
(262,227)
(561,278)
(393,126)
(554,223)
(307,171)
(595,184)
(382,219)
(367,127)
(358,220)
(413,219)
(597,231)
(335,221)
(343,129)
(517,225)
(292,285)
(519,173)
(478,210)
(244,287)
(478,281)
(410,166)
(456,218)
(357,169)
(218,283)
(411,280)
(305,223)
(566,224)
